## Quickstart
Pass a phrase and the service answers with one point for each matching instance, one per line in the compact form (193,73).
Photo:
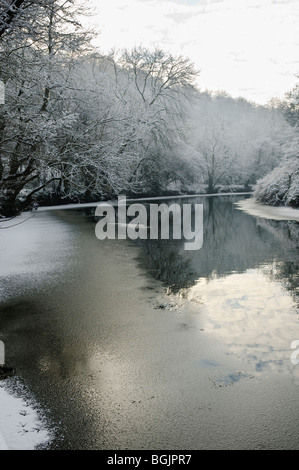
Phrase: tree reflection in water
(233,243)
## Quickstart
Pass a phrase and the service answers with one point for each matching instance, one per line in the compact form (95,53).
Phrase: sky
(247,48)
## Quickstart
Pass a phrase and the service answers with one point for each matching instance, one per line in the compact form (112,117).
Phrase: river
(144,345)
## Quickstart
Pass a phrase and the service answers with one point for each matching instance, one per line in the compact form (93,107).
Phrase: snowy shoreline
(141,199)
(20,426)
(250,206)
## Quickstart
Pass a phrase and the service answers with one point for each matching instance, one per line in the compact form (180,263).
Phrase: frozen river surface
(148,346)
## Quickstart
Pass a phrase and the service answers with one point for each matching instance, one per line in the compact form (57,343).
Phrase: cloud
(283,1)
(181,17)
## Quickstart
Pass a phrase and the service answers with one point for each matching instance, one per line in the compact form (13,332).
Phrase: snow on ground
(267,212)
(20,426)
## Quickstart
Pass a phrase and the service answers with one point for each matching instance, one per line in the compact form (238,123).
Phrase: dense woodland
(78,125)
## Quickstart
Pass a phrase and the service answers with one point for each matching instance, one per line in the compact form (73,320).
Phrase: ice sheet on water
(268,212)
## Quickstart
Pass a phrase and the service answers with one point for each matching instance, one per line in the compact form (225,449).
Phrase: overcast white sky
(249,48)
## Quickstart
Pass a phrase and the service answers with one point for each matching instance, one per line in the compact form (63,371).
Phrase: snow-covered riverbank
(20,426)
(268,212)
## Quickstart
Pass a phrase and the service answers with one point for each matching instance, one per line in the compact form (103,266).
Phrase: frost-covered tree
(39,110)
(290,106)
(217,156)
(152,89)
(281,186)
(234,141)
(13,14)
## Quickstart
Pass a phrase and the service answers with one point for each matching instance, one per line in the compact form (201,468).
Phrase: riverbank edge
(252,207)
(146,199)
